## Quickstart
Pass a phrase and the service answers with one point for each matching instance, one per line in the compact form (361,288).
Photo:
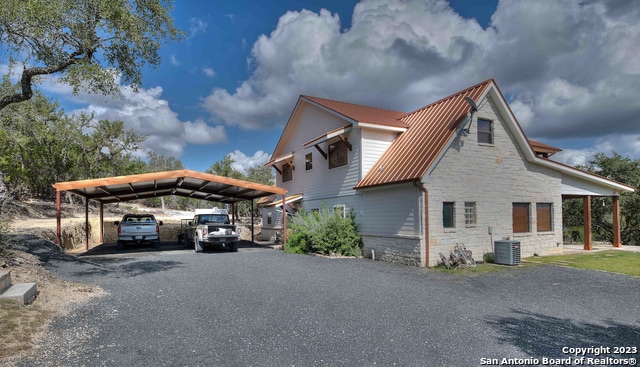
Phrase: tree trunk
(3,191)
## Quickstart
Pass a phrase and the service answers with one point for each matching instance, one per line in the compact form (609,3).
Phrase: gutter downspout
(420,186)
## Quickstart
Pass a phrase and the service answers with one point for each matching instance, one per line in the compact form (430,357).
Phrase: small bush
(324,232)
(488,257)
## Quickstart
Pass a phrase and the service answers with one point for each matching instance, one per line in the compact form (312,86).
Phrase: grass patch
(22,324)
(621,262)
(479,269)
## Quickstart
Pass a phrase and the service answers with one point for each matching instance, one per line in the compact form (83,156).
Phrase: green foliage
(617,168)
(40,145)
(324,232)
(91,44)
(256,174)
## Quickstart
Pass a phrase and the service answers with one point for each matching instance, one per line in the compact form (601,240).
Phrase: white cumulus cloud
(569,69)
(146,113)
(241,161)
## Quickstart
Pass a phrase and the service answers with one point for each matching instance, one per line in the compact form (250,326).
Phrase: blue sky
(570,70)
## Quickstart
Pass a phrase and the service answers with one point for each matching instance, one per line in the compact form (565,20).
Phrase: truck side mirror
(190,223)
(160,223)
(116,223)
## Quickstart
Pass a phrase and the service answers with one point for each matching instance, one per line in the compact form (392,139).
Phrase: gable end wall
(494,176)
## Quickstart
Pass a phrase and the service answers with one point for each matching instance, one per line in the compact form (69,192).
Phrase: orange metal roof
(371,115)
(539,147)
(430,129)
(185,183)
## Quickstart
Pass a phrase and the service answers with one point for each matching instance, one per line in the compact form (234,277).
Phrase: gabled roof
(431,128)
(353,114)
(360,113)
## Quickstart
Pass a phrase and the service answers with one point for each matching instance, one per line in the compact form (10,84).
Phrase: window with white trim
(470,214)
(485,131)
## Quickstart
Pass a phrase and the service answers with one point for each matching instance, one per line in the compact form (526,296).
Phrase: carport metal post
(252,221)
(101,222)
(86,222)
(284,220)
(58,225)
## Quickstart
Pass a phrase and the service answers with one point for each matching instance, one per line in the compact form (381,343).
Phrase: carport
(186,183)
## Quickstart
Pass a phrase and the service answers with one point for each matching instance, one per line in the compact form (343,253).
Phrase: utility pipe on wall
(425,193)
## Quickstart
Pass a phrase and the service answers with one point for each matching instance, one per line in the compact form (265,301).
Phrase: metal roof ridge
(466,90)
(352,104)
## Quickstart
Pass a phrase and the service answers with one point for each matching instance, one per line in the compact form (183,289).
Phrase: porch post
(586,201)
(616,222)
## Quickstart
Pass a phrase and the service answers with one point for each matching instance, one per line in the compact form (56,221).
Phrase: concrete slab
(5,280)
(21,293)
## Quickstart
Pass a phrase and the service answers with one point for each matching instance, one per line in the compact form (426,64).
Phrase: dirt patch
(22,326)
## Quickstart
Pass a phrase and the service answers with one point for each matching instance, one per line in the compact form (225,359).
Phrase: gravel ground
(262,307)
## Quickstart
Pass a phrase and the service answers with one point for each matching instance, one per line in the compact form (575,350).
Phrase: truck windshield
(213,219)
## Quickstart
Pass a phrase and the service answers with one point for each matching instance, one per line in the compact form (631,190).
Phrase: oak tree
(91,44)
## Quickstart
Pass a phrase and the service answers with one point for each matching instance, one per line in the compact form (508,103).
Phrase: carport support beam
(252,221)
(58,224)
(86,223)
(284,220)
(101,222)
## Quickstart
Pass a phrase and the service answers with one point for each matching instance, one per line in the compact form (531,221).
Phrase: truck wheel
(186,242)
(120,245)
(197,245)
(156,244)
(233,247)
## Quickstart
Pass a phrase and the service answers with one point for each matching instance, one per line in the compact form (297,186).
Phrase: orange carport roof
(187,183)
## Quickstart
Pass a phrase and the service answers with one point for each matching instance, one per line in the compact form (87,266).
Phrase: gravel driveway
(262,307)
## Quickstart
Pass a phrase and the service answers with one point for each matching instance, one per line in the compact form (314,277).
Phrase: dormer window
(485,131)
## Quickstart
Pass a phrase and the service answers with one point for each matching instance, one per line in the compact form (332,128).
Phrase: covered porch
(576,187)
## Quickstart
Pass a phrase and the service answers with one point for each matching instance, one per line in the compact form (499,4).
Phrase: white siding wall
(391,222)
(321,183)
(494,177)
(374,144)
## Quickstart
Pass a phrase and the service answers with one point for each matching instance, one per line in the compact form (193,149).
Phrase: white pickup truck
(209,228)
(138,228)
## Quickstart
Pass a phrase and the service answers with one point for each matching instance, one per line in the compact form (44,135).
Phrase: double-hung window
(470,214)
(485,131)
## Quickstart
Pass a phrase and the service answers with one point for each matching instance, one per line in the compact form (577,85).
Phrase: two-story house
(459,170)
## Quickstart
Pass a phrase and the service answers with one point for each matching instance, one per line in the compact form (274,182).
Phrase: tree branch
(27,78)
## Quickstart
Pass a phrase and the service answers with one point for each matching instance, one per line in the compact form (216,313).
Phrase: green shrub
(488,257)
(324,232)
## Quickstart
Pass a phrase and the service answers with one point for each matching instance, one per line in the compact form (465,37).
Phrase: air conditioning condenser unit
(506,252)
